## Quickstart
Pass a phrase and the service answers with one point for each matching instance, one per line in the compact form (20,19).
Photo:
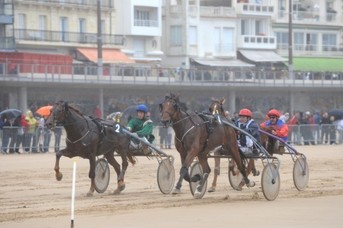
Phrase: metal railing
(146,74)
(43,140)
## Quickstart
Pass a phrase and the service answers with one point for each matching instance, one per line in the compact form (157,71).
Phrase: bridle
(65,112)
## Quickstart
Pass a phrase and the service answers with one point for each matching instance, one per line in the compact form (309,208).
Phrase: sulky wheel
(270,181)
(196,169)
(102,175)
(166,175)
(300,173)
(235,178)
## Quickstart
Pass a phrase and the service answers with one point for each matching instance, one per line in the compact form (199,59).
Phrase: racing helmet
(273,112)
(142,108)
(245,112)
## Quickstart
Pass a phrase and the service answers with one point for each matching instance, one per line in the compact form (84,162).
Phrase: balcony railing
(66,37)
(258,42)
(70,3)
(255,9)
(141,74)
(146,23)
(311,49)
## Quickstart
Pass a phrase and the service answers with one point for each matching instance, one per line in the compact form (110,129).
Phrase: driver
(142,127)
(278,128)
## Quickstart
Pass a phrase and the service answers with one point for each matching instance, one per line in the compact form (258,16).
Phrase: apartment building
(254,31)
(70,27)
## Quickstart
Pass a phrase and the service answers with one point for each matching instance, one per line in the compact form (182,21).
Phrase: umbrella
(338,114)
(10,113)
(44,111)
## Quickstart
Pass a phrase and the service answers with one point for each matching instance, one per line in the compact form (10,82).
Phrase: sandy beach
(30,196)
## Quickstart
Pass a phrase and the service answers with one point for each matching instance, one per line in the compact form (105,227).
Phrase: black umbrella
(10,114)
(338,114)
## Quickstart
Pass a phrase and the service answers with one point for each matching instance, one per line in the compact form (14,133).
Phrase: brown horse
(88,138)
(216,108)
(193,138)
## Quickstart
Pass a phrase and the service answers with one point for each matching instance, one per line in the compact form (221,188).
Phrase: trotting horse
(193,138)
(88,138)
(217,108)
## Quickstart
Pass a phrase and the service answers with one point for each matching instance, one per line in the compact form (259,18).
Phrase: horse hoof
(89,194)
(212,189)
(256,173)
(197,195)
(176,191)
(59,176)
(116,192)
(251,184)
(121,185)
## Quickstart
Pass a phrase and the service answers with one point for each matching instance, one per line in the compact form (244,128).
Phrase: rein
(70,124)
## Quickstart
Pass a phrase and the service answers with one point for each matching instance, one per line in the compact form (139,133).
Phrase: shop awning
(262,56)
(222,63)
(108,55)
(318,64)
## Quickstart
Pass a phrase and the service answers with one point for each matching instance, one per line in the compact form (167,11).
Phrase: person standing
(30,135)
(57,134)
(10,133)
(163,132)
(97,112)
(21,132)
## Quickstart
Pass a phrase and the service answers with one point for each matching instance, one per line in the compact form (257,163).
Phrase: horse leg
(206,171)
(242,169)
(58,174)
(216,174)
(91,175)
(252,168)
(183,175)
(120,173)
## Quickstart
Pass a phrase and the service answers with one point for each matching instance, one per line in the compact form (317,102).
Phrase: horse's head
(168,108)
(57,115)
(216,108)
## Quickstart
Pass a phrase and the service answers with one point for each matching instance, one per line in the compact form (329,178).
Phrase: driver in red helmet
(278,128)
(247,124)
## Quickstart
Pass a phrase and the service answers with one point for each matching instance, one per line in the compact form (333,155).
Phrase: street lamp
(99,38)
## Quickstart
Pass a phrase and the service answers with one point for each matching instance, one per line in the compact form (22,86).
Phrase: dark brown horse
(88,138)
(217,109)
(193,138)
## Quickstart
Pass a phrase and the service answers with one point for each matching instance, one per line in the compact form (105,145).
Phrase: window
(142,18)
(282,40)
(21,25)
(42,26)
(329,42)
(64,28)
(193,36)
(299,41)
(176,35)
(82,25)
(244,27)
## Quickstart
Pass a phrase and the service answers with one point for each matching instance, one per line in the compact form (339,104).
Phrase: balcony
(81,4)
(222,12)
(65,37)
(257,42)
(311,50)
(255,9)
